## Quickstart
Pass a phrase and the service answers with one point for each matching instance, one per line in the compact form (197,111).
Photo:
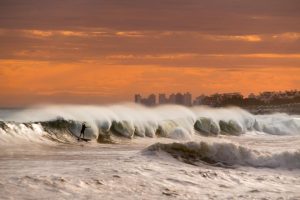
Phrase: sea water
(148,153)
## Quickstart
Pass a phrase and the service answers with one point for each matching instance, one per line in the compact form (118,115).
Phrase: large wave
(227,154)
(62,123)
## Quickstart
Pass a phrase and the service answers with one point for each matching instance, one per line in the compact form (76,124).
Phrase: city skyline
(174,98)
(220,99)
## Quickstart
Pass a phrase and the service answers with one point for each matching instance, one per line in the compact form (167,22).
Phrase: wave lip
(228,154)
(57,131)
(207,126)
(63,123)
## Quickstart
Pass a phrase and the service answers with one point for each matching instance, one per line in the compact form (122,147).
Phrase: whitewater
(138,152)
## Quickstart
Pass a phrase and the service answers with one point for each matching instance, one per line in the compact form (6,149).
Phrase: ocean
(135,152)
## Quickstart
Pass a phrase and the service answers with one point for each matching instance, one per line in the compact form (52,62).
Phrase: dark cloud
(209,16)
(144,47)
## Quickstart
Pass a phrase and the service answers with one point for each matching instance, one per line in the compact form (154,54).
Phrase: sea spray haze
(131,120)
(163,151)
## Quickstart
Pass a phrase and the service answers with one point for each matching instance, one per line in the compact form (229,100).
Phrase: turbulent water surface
(148,153)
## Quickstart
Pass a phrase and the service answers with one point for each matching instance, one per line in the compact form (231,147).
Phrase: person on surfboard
(82,130)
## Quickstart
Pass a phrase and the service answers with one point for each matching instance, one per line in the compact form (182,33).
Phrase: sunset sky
(96,51)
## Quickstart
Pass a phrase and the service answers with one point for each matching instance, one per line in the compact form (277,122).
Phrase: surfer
(82,130)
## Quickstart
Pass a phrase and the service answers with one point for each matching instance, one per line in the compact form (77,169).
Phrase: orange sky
(105,52)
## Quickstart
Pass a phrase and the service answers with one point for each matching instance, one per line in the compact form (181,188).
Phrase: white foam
(142,121)
(230,154)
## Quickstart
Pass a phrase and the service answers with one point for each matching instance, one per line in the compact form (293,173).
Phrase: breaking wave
(227,154)
(63,123)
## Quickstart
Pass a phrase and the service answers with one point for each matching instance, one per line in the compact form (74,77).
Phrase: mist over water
(54,124)
(171,149)
(130,120)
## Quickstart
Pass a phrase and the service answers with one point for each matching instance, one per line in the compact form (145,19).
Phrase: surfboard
(83,139)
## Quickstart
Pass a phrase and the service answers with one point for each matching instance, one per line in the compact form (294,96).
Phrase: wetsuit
(82,130)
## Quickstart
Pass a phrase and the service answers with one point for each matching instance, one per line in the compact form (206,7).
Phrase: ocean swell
(227,154)
(63,123)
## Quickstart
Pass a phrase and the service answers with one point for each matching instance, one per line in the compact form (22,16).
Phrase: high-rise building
(187,99)
(151,100)
(137,98)
(172,98)
(162,99)
(179,99)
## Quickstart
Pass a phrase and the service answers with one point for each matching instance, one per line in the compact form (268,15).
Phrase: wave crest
(132,120)
(227,154)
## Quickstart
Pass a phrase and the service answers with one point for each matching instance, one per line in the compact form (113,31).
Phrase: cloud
(39,33)
(52,33)
(218,17)
(271,55)
(129,34)
(72,33)
(149,57)
(287,36)
(246,38)
(95,44)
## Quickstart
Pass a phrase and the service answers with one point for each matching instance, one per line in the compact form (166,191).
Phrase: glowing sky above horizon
(96,51)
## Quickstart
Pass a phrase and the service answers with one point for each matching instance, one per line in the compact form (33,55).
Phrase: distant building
(137,98)
(199,100)
(187,99)
(172,99)
(162,99)
(151,100)
(179,99)
(225,99)
(266,96)
(232,95)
